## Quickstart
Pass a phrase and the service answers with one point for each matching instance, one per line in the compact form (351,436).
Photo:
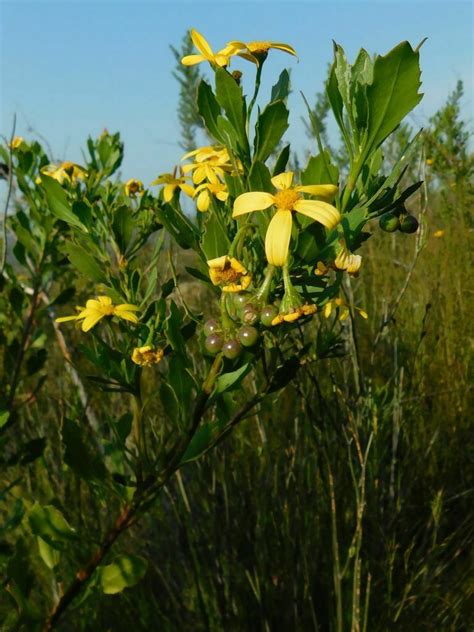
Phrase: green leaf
(229,96)
(271,125)
(281,89)
(49,523)
(58,202)
(227,381)
(393,93)
(123,226)
(4,415)
(180,228)
(260,178)
(282,160)
(125,571)
(85,263)
(50,556)
(215,241)
(320,170)
(209,109)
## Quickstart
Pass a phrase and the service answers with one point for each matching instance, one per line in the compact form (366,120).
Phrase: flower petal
(283,180)
(253,201)
(187,188)
(192,60)
(277,239)
(64,319)
(127,316)
(284,47)
(201,44)
(327,191)
(91,320)
(203,201)
(168,192)
(128,307)
(103,300)
(325,214)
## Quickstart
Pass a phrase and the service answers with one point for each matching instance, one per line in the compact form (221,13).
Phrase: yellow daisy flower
(287,200)
(341,305)
(346,260)
(17,142)
(172,183)
(293,314)
(257,52)
(229,273)
(66,171)
(221,58)
(204,192)
(147,355)
(133,187)
(96,309)
(210,164)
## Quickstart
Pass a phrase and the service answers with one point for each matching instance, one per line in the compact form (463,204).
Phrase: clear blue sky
(71,68)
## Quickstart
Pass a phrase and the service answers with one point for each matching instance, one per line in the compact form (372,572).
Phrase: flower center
(229,275)
(286,199)
(259,47)
(108,310)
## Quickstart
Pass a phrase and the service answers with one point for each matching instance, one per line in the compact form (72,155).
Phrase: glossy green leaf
(210,110)
(320,170)
(271,125)
(85,263)
(281,89)
(215,241)
(58,202)
(227,381)
(49,523)
(125,571)
(393,93)
(229,96)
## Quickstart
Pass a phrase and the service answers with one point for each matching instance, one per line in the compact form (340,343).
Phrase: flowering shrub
(269,248)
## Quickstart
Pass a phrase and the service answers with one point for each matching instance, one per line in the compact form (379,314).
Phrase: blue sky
(70,68)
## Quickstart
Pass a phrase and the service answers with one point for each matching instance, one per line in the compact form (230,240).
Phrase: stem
(7,201)
(264,290)
(255,94)
(145,493)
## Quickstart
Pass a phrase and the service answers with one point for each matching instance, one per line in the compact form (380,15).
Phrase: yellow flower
(287,200)
(429,161)
(346,260)
(294,314)
(206,190)
(257,52)
(133,187)
(147,355)
(66,171)
(96,309)
(438,233)
(340,304)
(172,183)
(211,164)
(16,142)
(229,273)
(221,58)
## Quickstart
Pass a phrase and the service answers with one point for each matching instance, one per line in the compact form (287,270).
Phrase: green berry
(268,313)
(232,349)
(248,335)
(210,327)
(389,222)
(409,224)
(214,343)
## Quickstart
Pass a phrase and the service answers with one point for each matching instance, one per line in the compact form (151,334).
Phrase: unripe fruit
(389,222)
(214,343)
(250,315)
(210,327)
(232,349)
(240,299)
(268,313)
(248,335)
(409,224)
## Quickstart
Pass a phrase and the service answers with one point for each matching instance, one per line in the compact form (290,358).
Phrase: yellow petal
(199,174)
(127,307)
(277,239)
(201,44)
(327,309)
(103,300)
(325,214)
(218,262)
(221,60)
(283,180)
(127,316)
(192,60)
(323,190)
(203,201)
(187,188)
(168,192)
(91,321)
(253,201)
(284,47)
(64,319)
